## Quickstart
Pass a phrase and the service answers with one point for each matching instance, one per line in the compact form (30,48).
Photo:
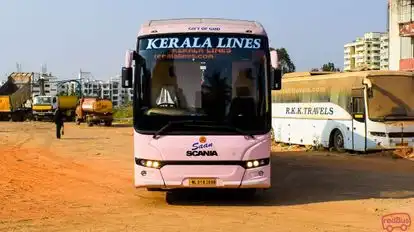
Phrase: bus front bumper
(217,176)
(393,143)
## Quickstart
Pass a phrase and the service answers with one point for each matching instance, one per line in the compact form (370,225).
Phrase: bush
(123,112)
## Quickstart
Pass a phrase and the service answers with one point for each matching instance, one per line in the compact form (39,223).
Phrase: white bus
(355,111)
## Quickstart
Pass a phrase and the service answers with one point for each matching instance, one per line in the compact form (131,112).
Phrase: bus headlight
(257,163)
(148,163)
(379,134)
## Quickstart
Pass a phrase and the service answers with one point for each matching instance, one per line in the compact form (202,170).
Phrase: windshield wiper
(197,123)
(393,115)
(179,122)
(227,127)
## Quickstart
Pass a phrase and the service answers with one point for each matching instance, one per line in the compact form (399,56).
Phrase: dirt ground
(84,182)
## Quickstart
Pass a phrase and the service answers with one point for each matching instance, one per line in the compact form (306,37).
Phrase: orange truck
(15,97)
(94,111)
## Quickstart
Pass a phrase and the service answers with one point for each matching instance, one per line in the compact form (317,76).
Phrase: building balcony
(407,29)
(360,49)
(407,64)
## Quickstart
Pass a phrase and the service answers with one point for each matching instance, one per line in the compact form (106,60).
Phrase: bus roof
(306,76)
(212,25)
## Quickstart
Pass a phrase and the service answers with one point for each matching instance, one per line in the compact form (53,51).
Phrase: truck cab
(44,106)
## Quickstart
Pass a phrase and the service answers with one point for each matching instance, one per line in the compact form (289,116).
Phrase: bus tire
(170,197)
(338,140)
(247,194)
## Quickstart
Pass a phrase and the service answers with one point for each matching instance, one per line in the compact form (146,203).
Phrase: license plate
(202,182)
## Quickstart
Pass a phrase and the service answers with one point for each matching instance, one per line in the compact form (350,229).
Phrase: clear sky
(94,34)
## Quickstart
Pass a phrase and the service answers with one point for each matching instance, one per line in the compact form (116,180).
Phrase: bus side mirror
(368,85)
(276,71)
(127,70)
(370,93)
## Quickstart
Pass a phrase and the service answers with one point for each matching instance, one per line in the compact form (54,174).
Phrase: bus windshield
(216,77)
(42,100)
(392,98)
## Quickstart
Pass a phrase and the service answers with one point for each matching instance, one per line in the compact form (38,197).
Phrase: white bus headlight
(148,163)
(257,163)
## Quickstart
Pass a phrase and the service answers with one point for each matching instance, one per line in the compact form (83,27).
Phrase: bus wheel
(249,194)
(338,140)
(170,197)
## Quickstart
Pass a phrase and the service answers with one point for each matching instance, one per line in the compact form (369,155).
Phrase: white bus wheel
(338,140)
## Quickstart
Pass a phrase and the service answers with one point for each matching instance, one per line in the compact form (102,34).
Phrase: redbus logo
(393,221)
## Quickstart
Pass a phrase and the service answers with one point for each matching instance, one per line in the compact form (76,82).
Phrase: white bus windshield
(203,76)
(392,98)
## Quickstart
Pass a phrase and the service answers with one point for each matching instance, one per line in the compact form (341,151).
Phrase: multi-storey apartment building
(109,89)
(50,84)
(384,54)
(401,31)
(369,51)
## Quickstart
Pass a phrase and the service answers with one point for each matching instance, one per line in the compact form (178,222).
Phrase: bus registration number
(202,182)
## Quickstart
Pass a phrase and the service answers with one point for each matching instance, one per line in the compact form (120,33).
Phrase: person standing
(58,122)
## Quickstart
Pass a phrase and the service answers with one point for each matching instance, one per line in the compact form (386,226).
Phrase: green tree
(286,63)
(330,67)
(62,93)
(72,92)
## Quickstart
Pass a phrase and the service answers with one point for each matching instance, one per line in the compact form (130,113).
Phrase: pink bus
(202,104)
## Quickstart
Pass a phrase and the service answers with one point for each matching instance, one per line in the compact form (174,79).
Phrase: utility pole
(18,67)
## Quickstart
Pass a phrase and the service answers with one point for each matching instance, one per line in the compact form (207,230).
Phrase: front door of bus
(358,120)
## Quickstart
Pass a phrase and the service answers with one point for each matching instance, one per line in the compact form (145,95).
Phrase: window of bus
(392,98)
(209,77)
(314,92)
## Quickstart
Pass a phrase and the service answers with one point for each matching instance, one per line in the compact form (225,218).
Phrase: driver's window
(163,85)
(357,101)
(358,106)
(189,78)
(243,79)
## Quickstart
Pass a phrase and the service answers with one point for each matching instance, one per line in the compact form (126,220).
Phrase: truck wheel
(90,123)
(14,117)
(77,120)
(108,123)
